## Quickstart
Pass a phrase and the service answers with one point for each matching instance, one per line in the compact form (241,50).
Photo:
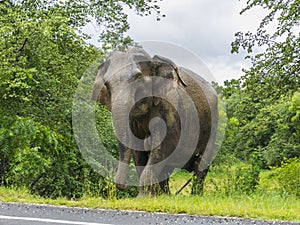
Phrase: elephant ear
(101,92)
(167,69)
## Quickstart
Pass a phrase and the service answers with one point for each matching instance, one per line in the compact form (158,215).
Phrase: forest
(44,52)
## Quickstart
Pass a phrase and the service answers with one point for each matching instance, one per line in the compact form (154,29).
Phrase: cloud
(205,27)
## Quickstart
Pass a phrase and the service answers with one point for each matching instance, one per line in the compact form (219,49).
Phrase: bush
(234,176)
(288,176)
(36,157)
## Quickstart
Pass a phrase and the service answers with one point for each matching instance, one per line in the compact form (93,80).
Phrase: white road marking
(49,220)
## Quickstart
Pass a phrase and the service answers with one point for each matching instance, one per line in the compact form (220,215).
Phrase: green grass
(270,207)
(219,199)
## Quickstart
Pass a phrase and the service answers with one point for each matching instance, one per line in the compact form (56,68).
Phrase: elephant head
(120,69)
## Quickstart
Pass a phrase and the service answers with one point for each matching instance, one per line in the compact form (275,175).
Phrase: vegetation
(44,53)
(263,105)
(265,204)
(275,70)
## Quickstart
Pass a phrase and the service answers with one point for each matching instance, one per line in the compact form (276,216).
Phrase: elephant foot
(164,188)
(121,187)
(150,191)
(145,195)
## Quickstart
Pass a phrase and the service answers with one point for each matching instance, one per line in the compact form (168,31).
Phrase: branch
(21,50)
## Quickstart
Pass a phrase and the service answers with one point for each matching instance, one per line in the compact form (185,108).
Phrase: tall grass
(228,191)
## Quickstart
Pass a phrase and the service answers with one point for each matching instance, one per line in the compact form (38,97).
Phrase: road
(28,214)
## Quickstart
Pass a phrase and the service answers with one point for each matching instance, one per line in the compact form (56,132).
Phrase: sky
(202,29)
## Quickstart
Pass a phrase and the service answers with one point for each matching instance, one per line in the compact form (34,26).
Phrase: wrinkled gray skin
(117,73)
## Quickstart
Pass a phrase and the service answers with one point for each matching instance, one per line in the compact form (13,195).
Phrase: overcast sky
(204,27)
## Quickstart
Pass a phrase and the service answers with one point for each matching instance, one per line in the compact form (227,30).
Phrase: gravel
(116,217)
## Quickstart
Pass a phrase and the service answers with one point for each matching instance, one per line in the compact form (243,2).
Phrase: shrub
(288,176)
(38,158)
(234,176)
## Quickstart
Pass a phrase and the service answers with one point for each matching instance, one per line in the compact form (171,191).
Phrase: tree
(108,15)
(277,68)
(270,129)
(43,54)
(263,102)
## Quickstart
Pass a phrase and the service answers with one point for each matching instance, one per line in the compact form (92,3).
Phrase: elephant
(165,117)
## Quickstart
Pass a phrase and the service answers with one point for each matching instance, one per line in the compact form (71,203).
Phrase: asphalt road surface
(28,214)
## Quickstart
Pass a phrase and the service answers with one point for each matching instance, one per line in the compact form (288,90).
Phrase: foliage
(43,54)
(42,58)
(284,180)
(247,177)
(269,129)
(269,133)
(32,152)
(108,16)
(276,68)
(288,176)
(263,105)
(233,177)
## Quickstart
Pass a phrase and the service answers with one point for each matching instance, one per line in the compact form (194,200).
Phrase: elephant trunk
(123,168)
(127,141)
(119,121)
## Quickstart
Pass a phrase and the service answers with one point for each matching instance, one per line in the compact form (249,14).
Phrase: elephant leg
(198,182)
(149,180)
(158,181)
(123,167)
(140,161)
(152,174)
(164,180)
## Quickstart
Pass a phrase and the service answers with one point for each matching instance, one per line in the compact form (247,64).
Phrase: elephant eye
(135,74)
